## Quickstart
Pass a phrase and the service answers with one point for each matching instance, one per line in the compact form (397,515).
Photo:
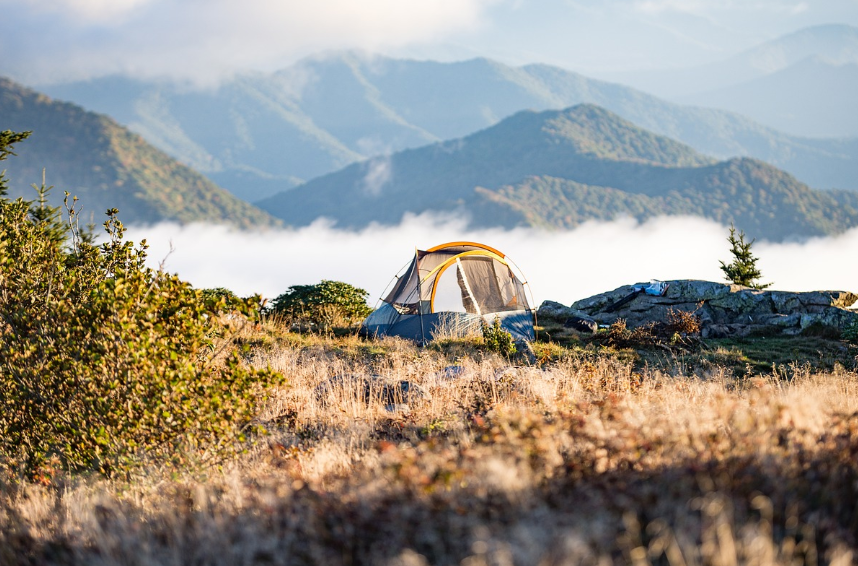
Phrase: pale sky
(49,41)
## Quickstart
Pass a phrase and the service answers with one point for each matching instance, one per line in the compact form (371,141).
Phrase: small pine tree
(743,269)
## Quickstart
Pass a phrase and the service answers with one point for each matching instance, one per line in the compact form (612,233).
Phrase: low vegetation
(145,422)
(589,457)
(322,306)
(104,362)
(498,340)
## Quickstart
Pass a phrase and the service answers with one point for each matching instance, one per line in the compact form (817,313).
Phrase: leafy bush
(102,359)
(619,335)
(323,305)
(682,322)
(497,339)
(680,331)
(222,295)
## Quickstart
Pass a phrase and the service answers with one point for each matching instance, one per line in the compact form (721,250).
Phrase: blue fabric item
(655,288)
(387,321)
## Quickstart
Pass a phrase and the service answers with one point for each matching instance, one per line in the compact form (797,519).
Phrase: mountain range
(557,169)
(258,134)
(107,166)
(803,83)
(521,148)
(812,98)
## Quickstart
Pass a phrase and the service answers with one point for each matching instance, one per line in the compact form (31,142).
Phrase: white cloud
(561,266)
(705,7)
(720,10)
(657,6)
(379,169)
(50,41)
(88,11)
(378,173)
(203,40)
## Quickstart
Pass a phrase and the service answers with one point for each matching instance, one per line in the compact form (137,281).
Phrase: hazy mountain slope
(249,134)
(106,166)
(836,44)
(260,134)
(558,168)
(809,98)
(847,199)
(759,198)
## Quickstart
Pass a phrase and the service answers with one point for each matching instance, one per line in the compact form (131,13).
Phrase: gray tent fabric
(487,289)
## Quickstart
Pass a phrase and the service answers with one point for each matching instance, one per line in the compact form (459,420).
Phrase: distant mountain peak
(826,30)
(270,132)
(558,168)
(835,43)
(590,130)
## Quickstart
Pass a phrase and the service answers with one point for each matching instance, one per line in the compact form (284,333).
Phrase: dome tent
(455,287)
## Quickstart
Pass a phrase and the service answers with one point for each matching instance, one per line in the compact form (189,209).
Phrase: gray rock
(723,310)
(831,316)
(555,312)
(726,331)
(575,319)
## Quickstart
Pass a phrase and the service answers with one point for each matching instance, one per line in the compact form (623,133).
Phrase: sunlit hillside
(107,166)
(381,452)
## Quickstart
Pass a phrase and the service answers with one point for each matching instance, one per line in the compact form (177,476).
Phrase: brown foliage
(581,461)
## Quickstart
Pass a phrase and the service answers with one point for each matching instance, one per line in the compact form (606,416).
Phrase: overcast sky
(49,41)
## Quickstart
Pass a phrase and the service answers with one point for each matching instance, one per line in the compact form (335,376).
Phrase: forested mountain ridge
(107,166)
(556,169)
(258,134)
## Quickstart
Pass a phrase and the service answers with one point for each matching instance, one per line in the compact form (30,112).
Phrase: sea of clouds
(560,266)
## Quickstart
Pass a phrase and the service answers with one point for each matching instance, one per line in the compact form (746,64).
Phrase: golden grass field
(584,458)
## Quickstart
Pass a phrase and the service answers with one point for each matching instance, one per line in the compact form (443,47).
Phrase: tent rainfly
(452,289)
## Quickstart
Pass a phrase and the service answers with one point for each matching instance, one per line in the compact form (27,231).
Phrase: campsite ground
(722,452)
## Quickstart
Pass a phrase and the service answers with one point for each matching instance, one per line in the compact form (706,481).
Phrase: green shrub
(222,296)
(497,339)
(103,360)
(323,305)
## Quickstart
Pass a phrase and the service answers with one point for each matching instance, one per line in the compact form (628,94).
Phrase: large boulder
(577,320)
(556,312)
(723,310)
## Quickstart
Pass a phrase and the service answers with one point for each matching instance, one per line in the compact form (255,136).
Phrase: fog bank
(560,266)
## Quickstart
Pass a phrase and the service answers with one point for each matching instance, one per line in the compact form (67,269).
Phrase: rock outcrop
(724,310)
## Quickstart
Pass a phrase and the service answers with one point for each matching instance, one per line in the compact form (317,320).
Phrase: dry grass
(581,461)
